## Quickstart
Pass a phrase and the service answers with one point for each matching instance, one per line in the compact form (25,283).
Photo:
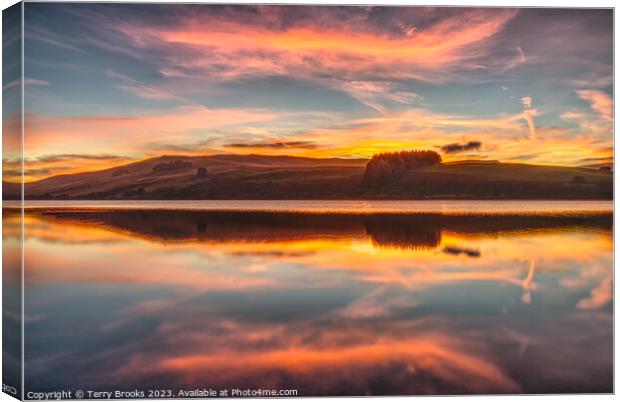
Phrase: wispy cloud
(147,91)
(336,47)
(528,115)
(67,157)
(27,81)
(599,101)
(279,144)
(597,118)
(526,101)
(375,93)
(51,136)
(599,296)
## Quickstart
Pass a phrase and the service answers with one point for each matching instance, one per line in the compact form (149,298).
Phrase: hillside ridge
(224,176)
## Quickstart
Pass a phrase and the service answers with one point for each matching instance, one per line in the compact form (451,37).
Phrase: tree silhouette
(387,166)
(201,172)
(172,166)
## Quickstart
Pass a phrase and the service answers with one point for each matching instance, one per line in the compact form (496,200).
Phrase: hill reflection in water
(419,230)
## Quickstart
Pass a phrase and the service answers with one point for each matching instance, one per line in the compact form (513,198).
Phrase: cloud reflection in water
(329,305)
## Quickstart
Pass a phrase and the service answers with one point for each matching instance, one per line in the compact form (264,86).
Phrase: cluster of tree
(172,166)
(432,185)
(387,166)
(120,172)
(201,172)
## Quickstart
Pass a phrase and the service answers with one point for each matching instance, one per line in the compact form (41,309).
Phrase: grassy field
(518,172)
(265,177)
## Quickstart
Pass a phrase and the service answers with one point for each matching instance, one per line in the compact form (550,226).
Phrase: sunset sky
(108,84)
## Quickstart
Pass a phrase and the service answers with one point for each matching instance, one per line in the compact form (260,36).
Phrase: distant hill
(286,177)
(11,191)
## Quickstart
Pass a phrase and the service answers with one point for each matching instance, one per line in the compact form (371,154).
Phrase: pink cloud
(599,101)
(526,102)
(599,296)
(598,118)
(309,50)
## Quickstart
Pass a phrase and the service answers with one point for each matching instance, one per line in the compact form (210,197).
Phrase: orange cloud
(198,130)
(505,138)
(124,137)
(44,132)
(434,354)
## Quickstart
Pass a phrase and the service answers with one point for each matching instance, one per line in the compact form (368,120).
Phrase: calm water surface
(330,303)
(344,206)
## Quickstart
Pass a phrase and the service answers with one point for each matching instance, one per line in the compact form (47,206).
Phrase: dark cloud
(11,173)
(278,144)
(458,251)
(456,147)
(527,157)
(178,147)
(14,173)
(603,159)
(34,171)
(65,157)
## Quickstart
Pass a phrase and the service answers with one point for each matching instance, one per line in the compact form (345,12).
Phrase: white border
(477,3)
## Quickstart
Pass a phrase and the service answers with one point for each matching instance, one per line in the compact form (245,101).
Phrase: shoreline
(560,208)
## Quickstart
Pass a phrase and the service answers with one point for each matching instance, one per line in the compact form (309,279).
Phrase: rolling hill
(286,177)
